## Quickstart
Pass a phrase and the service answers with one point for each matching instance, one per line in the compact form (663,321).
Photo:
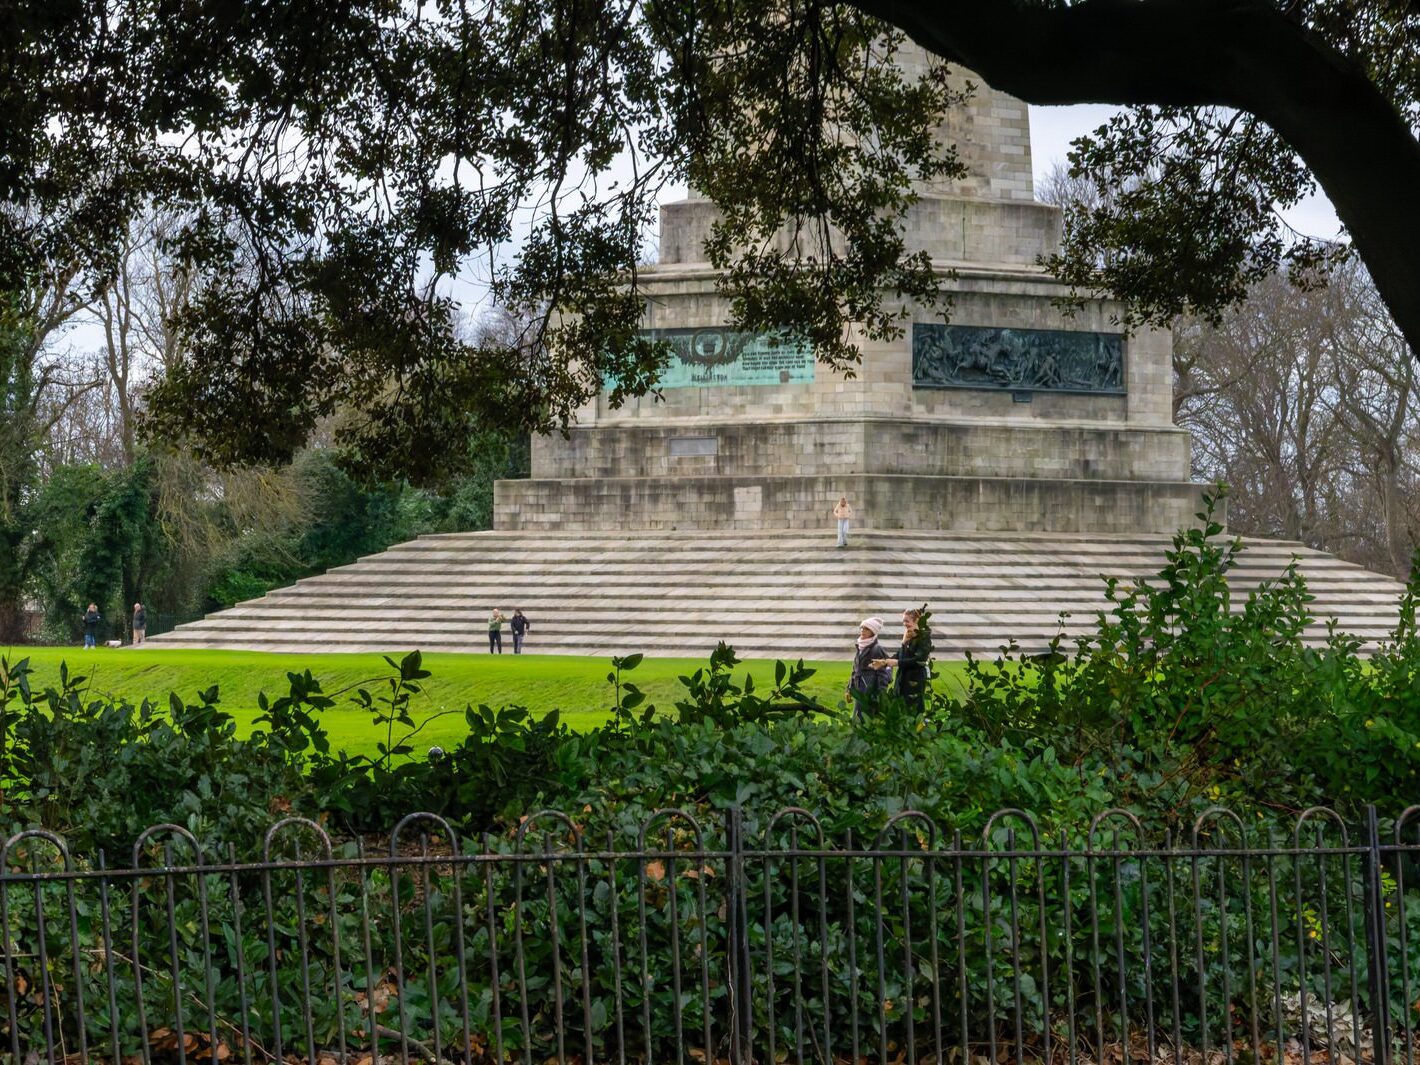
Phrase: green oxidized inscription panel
(714,355)
(1043,360)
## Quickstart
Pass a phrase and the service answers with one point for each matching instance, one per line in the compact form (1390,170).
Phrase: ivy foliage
(1183,691)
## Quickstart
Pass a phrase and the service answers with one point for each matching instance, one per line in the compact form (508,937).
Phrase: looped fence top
(1317,813)
(1010,814)
(275,830)
(553,817)
(792,815)
(44,836)
(417,818)
(670,815)
(1406,816)
(176,830)
(1217,814)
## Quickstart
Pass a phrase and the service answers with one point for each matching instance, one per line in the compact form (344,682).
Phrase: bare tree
(1305,400)
(1305,403)
(1376,396)
(137,310)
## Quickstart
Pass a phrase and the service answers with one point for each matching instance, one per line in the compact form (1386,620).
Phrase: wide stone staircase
(770,595)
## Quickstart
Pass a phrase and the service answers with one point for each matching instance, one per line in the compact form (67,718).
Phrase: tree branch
(1245,54)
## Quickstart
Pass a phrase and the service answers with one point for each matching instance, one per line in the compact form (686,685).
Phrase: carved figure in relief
(1036,359)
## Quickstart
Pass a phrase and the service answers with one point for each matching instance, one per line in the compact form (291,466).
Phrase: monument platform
(778,594)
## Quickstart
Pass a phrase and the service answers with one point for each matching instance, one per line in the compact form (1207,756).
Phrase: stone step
(923,569)
(543,613)
(784,594)
(1023,554)
(628,644)
(796,541)
(828,616)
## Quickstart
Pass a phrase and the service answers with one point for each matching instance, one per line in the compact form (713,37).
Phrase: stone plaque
(714,355)
(1018,360)
(686,447)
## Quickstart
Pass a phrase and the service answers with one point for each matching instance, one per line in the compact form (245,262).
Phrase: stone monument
(1000,464)
(1012,416)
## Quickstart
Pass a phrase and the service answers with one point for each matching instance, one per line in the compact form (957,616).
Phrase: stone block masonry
(881,501)
(832,447)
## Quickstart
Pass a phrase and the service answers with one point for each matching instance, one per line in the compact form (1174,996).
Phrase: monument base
(881,501)
(960,475)
(770,594)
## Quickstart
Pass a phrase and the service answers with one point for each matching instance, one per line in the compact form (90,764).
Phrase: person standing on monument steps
(869,679)
(843,511)
(520,626)
(495,631)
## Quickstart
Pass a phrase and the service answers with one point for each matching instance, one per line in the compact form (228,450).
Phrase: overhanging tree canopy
(341,161)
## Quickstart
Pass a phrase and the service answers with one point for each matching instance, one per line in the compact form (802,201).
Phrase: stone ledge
(834,446)
(882,501)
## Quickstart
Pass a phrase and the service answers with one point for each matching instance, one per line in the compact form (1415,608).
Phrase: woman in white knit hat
(868,682)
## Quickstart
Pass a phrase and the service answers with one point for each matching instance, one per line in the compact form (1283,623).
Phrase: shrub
(1184,697)
(99,772)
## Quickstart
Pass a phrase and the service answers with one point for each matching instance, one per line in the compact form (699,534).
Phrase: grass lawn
(577,686)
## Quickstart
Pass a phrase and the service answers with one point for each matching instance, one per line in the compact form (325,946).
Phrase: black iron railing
(742,940)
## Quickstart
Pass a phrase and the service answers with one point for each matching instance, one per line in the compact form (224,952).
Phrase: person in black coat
(912,661)
(520,626)
(870,679)
(91,626)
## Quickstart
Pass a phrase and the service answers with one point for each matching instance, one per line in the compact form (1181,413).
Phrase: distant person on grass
(521,626)
(843,511)
(495,632)
(910,681)
(870,679)
(140,624)
(91,626)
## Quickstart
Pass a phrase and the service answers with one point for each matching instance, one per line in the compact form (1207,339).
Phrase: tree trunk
(1244,54)
(13,630)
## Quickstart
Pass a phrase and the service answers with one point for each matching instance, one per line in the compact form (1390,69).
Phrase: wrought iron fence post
(737,934)
(1378,978)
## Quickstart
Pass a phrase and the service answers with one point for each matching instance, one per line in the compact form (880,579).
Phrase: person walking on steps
(909,683)
(520,626)
(495,632)
(843,511)
(91,626)
(140,624)
(869,679)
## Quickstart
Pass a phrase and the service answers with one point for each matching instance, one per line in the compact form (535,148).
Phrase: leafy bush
(100,772)
(1182,696)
